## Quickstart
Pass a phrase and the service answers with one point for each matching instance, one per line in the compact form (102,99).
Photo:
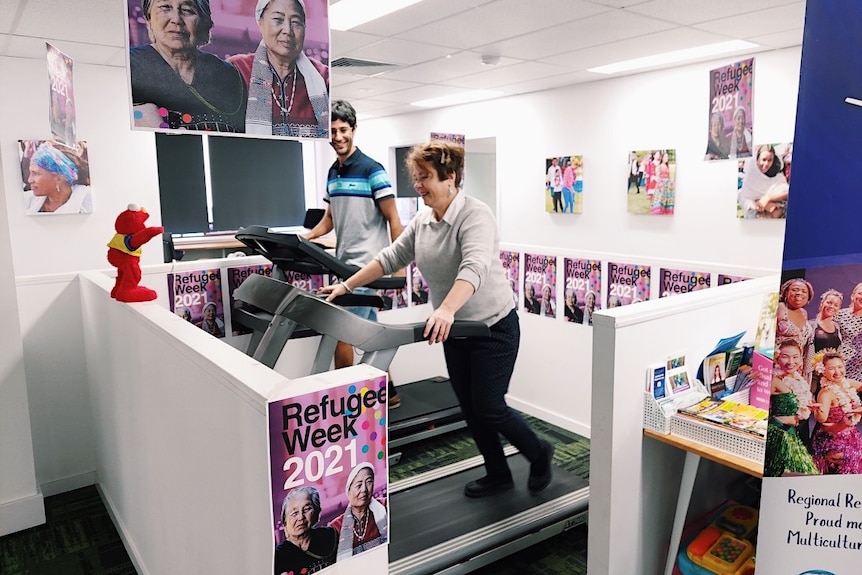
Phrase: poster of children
(564,184)
(651,182)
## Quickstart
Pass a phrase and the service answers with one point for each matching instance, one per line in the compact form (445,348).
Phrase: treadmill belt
(434,513)
(422,398)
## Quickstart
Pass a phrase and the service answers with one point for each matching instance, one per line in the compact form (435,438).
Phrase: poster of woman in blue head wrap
(56,178)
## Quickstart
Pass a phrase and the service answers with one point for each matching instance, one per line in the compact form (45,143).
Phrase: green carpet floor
(79,538)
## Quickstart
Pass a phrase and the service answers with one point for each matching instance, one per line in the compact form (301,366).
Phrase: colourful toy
(124,253)
(725,546)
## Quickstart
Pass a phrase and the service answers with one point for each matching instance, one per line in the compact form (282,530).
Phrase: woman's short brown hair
(442,157)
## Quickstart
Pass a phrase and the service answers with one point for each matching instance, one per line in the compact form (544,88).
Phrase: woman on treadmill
(456,246)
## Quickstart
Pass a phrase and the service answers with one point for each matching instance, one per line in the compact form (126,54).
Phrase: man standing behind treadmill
(360,203)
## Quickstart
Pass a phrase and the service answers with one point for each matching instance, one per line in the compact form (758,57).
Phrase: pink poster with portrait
(329,475)
(258,67)
(540,284)
(673,282)
(731,99)
(196,296)
(627,283)
(62,96)
(512,266)
(235,277)
(582,291)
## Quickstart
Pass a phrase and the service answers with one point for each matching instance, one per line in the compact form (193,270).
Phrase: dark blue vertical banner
(811,507)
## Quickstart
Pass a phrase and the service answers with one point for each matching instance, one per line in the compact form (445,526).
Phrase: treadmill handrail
(281,298)
(293,252)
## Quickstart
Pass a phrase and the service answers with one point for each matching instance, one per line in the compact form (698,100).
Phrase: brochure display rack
(647,483)
(732,442)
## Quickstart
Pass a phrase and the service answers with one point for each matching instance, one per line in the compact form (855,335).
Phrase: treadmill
(434,528)
(428,408)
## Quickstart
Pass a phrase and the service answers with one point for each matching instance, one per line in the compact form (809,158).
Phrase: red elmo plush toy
(124,253)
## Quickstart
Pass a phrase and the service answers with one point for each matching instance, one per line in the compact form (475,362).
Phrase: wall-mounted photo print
(651,177)
(564,184)
(763,183)
(731,93)
(56,178)
(540,284)
(254,66)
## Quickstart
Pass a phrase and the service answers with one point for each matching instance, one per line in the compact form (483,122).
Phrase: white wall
(20,498)
(181,439)
(602,121)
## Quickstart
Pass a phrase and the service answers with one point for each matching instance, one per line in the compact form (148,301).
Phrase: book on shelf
(731,414)
(715,373)
(734,361)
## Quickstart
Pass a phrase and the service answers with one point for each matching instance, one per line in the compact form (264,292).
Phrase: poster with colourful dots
(512,266)
(243,66)
(235,277)
(672,282)
(328,474)
(731,100)
(583,289)
(724,279)
(196,296)
(540,284)
(627,283)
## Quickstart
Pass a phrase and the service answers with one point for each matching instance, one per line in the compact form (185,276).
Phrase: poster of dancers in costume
(651,182)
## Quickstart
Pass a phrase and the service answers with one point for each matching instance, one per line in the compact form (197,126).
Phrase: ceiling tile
(29,47)
(418,15)
(370,88)
(618,3)
(567,79)
(770,21)
(687,12)
(8,13)
(396,51)
(98,22)
(343,43)
(498,21)
(582,33)
(496,77)
(443,69)
(630,48)
(118,59)
(784,39)
(419,93)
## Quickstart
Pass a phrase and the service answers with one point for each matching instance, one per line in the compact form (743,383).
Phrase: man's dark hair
(342,110)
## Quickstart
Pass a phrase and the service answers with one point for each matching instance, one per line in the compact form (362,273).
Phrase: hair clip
(443,158)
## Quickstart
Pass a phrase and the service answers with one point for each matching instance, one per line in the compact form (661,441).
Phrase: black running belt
(422,399)
(438,512)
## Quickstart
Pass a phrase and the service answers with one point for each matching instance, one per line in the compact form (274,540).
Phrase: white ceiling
(436,47)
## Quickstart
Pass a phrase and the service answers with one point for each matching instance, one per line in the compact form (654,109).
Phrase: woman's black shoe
(487,486)
(541,470)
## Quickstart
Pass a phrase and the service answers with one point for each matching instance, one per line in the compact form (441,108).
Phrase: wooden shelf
(722,457)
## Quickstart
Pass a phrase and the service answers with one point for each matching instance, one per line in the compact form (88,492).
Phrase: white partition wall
(181,440)
(634,482)
(21,503)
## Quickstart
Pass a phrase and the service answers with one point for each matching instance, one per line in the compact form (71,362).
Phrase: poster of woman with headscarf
(56,178)
(328,474)
(247,66)
(62,96)
(731,97)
